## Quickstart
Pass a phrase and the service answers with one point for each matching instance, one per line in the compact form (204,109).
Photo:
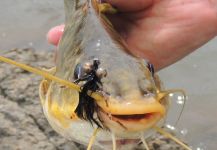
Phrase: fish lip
(130,116)
(131,107)
(125,126)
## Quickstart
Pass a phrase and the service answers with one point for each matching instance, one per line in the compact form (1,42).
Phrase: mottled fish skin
(85,38)
(129,90)
(120,93)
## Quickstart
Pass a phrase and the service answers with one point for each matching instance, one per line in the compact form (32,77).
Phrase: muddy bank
(22,123)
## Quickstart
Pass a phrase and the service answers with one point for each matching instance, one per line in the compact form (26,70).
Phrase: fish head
(130,93)
(129,88)
(131,98)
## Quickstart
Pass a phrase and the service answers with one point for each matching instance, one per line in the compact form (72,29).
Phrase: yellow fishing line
(166,134)
(49,76)
(41,73)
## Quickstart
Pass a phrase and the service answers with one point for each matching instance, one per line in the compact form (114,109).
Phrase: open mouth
(130,116)
(135,117)
(129,122)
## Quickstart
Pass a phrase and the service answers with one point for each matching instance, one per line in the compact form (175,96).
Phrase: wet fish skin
(85,38)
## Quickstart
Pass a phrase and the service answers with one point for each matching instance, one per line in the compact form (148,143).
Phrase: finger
(54,34)
(130,5)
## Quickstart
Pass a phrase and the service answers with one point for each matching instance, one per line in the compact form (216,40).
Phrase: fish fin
(170,136)
(43,89)
(61,103)
(92,139)
(101,9)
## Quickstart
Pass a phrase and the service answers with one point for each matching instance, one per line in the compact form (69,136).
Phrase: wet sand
(24,23)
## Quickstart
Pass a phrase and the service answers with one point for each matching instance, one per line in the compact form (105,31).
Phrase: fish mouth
(130,116)
(135,117)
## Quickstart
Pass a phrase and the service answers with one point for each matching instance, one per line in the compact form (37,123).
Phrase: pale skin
(162,31)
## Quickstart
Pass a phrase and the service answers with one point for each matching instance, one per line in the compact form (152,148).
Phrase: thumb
(54,34)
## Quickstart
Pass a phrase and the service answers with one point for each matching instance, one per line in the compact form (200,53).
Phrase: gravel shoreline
(23,125)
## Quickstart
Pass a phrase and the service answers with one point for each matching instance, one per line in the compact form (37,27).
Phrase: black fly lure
(90,75)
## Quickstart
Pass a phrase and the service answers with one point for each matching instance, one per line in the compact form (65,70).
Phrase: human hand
(163,31)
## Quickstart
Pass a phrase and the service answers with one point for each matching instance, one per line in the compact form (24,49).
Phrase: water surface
(24,23)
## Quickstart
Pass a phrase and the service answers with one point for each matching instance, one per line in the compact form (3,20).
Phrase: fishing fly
(90,74)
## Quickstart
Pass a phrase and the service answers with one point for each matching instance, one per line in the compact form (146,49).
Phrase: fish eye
(79,71)
(151,68)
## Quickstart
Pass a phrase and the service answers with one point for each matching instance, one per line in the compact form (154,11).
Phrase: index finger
(54,34)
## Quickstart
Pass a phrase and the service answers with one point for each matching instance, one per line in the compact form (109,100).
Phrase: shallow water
(197,75)
(24,23)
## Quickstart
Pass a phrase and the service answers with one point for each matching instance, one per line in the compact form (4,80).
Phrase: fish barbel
(113,94)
